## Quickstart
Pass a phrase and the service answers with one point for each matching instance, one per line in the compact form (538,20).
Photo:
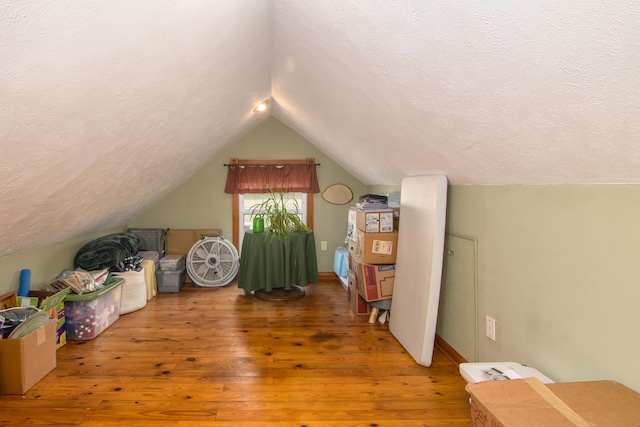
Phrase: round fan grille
(212,261)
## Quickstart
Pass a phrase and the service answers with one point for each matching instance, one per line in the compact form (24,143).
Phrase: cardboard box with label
(375,248)
(358,305)
(374,281)
(373,221)
(531,403)
(25,361)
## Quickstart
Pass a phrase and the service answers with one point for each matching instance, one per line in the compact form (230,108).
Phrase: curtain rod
(274,164)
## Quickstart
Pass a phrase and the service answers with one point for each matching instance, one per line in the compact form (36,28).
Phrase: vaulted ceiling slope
(109,105)
(108,97)
(486,92)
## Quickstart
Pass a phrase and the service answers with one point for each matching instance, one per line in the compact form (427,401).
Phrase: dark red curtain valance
(249,178)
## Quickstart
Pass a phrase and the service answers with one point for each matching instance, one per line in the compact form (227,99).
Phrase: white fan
(212,261)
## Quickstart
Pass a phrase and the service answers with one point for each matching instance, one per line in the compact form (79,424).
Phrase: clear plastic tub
(87,315)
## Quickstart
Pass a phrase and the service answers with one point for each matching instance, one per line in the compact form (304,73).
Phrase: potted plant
(280,214)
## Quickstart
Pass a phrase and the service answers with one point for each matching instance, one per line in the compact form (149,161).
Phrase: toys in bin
(91,313)
(81,281)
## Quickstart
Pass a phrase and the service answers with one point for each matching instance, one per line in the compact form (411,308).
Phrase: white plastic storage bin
(171,262)
(495,371)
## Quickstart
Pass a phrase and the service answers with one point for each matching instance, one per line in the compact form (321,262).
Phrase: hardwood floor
(216,357)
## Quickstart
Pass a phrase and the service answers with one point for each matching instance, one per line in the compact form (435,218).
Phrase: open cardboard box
(531,403)
(8,300)
(53,303)
(25,361)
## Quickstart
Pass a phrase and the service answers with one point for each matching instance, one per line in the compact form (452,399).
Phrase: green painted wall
(201,201)
(45,263)
(558,268)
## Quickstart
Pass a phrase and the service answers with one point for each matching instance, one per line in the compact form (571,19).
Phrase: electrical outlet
(491,328)
(323,245)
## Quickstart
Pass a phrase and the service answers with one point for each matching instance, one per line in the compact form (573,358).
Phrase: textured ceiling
(484,92)
(491,92)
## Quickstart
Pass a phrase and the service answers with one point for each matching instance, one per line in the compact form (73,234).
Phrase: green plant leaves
(279,222)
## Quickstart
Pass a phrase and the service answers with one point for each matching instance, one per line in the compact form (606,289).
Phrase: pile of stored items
(88,314)
(122,254)
(13,321)
(37,323)
(78,304)
(112,275)
(86,299)
(107,251)
(28,345)
(173,273)
(372,244)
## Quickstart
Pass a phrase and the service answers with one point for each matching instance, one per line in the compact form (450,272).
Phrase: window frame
(242,211)
(235,204)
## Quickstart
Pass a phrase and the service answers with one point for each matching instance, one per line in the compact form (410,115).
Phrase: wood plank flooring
(217,357)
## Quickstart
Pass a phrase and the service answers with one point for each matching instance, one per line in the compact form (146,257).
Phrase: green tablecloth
(272,263)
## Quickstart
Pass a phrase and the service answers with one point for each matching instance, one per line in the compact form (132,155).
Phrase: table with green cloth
(267,262)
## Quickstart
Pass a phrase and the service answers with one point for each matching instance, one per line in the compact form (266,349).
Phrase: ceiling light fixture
(262,107)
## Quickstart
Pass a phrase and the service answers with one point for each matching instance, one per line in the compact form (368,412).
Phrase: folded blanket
(107,251)
(132,263)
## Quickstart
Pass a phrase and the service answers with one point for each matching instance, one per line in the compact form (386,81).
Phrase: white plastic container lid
(496,371)
(171,258)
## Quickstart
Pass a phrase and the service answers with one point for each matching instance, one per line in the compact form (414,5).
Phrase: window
(246,201)
(248,179)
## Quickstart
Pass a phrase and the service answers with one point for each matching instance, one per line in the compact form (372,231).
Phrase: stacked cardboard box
(373,245)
